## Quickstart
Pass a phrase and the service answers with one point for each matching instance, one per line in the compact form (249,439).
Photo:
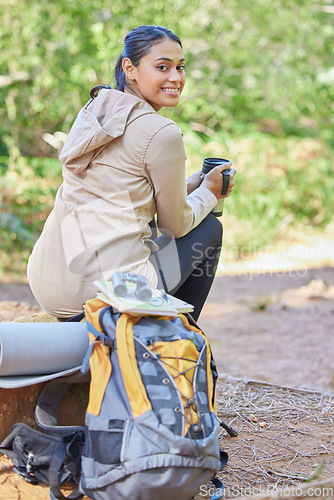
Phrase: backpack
(151,425)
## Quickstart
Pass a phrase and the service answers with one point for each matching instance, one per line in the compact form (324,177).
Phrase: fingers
(194,181)
(198,174)
(223,166)
(214,180)
(232,174)
(195,177)
(215,173)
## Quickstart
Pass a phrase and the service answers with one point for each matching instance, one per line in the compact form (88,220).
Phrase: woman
(123,164)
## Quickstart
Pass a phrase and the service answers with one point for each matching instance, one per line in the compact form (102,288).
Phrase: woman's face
(160,77)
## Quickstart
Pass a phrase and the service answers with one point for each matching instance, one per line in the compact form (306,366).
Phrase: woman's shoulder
(153,134)
(162,140)
(135,111)
(153,123)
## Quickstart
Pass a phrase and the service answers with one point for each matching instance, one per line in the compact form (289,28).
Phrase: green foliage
(280,182)
(272,59)
(259,90)
(27,190)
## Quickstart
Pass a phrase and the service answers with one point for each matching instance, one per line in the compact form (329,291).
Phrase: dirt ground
(275,327)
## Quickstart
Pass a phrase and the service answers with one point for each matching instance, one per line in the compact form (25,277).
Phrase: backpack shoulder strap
(97,355)
(48,401)
(127,360)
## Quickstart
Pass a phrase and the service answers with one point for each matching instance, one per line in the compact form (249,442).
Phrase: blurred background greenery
(259,91)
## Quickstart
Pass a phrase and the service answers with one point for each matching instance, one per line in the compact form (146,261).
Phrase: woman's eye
(164,67)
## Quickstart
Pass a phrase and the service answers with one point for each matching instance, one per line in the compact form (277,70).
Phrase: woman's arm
(164,165)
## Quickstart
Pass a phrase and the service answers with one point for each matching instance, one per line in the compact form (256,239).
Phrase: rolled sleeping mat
(40,351)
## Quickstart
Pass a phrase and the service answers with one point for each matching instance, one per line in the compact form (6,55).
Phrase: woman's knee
(213,228)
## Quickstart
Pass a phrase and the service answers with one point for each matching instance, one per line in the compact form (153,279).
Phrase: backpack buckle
(27,476)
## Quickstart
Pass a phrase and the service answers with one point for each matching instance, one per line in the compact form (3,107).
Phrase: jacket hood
(99,122)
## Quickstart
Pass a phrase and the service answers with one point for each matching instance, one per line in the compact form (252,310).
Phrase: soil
(273,327)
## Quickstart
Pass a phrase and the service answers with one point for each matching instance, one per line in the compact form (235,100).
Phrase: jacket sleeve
(164,166)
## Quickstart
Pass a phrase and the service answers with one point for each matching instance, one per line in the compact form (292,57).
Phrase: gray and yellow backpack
(152,429)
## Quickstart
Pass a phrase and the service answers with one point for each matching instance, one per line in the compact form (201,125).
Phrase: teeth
(172,90)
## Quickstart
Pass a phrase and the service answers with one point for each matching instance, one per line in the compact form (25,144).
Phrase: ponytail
(119,74)
(95,91)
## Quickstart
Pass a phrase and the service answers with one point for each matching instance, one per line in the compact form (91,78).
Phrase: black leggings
(187,266)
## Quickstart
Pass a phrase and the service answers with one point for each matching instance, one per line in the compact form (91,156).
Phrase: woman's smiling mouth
(171,90)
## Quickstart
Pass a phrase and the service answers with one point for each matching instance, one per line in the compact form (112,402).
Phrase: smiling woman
(160,77)
(124,169)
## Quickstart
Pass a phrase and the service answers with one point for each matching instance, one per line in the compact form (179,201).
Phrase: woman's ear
(128,68)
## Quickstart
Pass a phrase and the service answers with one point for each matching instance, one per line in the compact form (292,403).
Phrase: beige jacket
(122,164)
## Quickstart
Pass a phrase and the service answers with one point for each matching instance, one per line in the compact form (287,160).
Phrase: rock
(18,405)
(40,317)
(316,289)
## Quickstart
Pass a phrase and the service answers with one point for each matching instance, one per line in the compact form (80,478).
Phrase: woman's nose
(175,76)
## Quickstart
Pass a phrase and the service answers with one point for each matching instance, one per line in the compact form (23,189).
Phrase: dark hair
(137,44)
(95,91)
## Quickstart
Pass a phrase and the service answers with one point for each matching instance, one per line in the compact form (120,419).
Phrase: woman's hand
(214,181)
(194,181)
